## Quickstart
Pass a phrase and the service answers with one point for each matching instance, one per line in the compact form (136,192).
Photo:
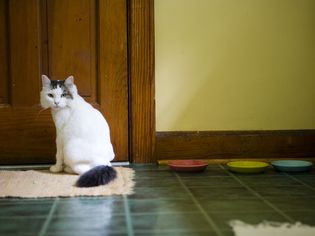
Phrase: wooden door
(85,38)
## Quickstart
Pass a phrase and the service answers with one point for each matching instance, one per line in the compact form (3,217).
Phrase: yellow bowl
(247,166)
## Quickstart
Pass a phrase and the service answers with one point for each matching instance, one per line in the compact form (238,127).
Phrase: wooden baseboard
(263,145)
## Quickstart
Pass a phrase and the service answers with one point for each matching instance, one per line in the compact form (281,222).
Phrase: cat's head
(57,94)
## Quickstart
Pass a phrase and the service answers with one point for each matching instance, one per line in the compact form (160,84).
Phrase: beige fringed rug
(265,228)
(36,184)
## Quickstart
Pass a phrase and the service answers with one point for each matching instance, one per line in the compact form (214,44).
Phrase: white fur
(83,136)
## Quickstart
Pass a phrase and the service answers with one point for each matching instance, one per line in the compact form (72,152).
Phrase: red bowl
(188,165)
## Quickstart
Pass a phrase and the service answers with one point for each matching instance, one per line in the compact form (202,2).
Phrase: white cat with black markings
(83,137)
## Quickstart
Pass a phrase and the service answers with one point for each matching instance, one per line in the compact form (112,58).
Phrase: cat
(83,136)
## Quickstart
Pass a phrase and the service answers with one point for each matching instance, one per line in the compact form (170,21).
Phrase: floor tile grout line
(173,231)
(22,217)
(128,217)
(259,196)
(299,181)
(223,186)
(204,213)
(163,213)
(48,218)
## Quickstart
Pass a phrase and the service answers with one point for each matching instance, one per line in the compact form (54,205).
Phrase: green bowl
(247,167)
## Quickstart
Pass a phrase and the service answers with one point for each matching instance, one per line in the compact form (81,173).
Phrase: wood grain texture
(26,136)
(141,69)
(25,50)
(112,72)
(4,59)
(235,144)
(71,26)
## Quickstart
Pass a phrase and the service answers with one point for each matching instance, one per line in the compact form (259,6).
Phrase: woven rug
(265,228)
(37,184)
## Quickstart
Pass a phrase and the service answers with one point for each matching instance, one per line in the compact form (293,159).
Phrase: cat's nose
(56,103)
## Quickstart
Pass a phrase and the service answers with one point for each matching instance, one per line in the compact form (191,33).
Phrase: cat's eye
(63,95)
(50,95)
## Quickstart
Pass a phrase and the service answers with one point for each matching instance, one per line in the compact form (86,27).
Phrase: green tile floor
(167,203)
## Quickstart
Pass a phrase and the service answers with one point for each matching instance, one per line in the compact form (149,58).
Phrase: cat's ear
(69,82)
(45,81)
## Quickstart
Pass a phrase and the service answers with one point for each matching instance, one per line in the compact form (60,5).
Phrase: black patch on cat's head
(57,83)
(61,84)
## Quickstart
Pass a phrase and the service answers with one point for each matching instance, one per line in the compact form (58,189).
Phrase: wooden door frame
(141,80)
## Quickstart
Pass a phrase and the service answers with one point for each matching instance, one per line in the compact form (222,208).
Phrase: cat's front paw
(56,168)
(68,170)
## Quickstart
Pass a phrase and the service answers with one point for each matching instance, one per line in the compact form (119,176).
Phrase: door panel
(24,52)
(72,42)
(3,53)
(60,37)
(23,134)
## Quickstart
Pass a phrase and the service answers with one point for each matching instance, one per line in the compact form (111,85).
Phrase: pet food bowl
(188,165)
(247,167)
(292,165)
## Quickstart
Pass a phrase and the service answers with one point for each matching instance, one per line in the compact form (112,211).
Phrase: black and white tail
(99,175)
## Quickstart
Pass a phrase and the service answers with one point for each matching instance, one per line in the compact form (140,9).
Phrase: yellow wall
(235,65)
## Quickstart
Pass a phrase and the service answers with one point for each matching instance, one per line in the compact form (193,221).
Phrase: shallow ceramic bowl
(188,165)
(247,167)
(292,165)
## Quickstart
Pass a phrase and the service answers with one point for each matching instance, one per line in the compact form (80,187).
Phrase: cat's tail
(99,175)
